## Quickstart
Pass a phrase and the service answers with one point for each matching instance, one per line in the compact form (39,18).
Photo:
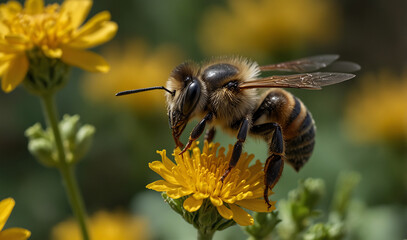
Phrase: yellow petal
(172,190)
(161,169)
(6,47)
(51,52)
(10,9)
(240,216)
(161,186)
(216,201)
(105,33)
(33,6)
(86,60)
(16,39)
(15,73)
(3,67)
(225,212)
(244,195)
(4,30)
(94,23)
(15,234)
(179,192)
(4,57)
(77,10)
(6,206)
(199,195)
(257,205)
(259,192)
(191,204)
(165,160)
(158,167)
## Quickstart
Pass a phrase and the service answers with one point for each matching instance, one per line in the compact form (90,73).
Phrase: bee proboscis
(224,92)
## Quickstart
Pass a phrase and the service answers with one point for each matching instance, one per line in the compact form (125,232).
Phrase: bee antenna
(143,90)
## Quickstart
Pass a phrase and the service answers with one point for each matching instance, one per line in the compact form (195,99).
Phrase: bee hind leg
(273,169)
(274,163)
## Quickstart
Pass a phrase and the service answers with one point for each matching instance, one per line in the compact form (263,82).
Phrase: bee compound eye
(191,97)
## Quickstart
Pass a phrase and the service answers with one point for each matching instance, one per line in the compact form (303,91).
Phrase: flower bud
(43,150)
(325,231)
(299,209)
(69,126)
(76,141)
(83,141)
(41,145)
(264,224)
(308,193)
(35,131)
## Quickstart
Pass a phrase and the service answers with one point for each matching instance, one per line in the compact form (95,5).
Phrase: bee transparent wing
(305,80)
(307,64)
(343,66)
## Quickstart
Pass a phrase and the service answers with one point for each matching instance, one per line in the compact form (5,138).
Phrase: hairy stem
(66,170)
(205,235)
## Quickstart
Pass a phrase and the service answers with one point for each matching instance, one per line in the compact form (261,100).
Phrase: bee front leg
(237,149)
(274,163)
(197,131)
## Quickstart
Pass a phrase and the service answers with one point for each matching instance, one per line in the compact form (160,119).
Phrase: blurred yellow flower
(6,206)
(257,28)
(133,66)
(198,175)
(55,30)
(104,226)
(377,110)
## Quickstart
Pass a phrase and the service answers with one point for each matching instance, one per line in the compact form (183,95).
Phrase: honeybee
(224,92)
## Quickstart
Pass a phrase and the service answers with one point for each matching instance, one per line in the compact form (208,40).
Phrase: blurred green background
(362,123)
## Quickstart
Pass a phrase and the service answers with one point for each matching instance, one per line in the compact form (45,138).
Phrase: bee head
(185,94)
(187,98)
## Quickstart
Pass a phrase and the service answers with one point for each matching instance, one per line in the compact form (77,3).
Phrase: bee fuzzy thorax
(223,76)
(245,69)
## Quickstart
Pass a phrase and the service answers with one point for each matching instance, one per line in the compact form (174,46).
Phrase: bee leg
(273,169)
(210,134)
(237,149)
(274,163)
(197,131)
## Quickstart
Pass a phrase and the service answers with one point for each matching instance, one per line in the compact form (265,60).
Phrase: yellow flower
(134,65)
(56,30)
(198,175)
(6,206)
(104,226)
(257,28)
(377,110)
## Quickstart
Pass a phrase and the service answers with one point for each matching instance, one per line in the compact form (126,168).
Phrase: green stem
(205,235)
(66,170)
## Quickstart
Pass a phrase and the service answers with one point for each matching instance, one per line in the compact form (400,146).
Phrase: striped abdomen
(295,121)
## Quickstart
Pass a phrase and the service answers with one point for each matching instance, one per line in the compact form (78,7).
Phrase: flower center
(46,30)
